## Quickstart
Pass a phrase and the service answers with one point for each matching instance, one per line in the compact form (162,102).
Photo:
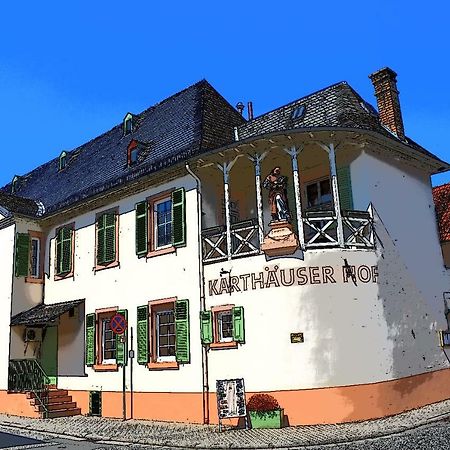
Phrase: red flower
(262,402)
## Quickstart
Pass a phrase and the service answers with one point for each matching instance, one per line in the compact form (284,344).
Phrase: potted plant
(264,411)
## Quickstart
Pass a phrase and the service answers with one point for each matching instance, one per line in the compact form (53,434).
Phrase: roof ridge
(301,98)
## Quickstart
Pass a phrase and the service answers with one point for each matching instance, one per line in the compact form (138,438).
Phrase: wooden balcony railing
(320,230)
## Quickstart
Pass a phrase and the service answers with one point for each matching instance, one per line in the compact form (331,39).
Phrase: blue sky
(71,70)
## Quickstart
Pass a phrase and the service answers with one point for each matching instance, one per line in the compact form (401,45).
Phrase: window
(104,349)
(64,253)
(163,333)
(108,343)
(128,124)
(107,239)
(161,223)
(28,261)
(223,326)
(35,257)
(134,155)
(62,160)
(318,194)
(14,184)
(132,152)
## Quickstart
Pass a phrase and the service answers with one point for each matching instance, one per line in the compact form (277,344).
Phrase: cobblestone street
(422,428)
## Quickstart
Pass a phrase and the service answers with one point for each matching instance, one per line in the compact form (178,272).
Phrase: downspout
(205,384)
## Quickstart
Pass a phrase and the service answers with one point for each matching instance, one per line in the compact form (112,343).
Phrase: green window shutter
(90,339)
(58,251)
(206,327)
(345,187)
(101,239)
(22,254)
(179,217)
(142,334)
(66,250)
(122,347)
(182,331)
(238,324)
(110,237)
(141,228)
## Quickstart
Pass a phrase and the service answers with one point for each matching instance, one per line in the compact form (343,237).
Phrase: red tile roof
(441,196)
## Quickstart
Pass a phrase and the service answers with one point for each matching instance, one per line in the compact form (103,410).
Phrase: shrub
(262,402)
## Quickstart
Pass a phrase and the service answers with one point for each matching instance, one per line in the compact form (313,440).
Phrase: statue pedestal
(280,240)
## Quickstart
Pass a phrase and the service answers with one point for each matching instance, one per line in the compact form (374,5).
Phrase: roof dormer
(14,184)
(128,124)
(62,160)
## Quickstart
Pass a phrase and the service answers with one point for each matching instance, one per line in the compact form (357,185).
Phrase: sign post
(118,326)
(231,400)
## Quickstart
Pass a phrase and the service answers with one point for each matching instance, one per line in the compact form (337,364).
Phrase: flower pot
(267,419)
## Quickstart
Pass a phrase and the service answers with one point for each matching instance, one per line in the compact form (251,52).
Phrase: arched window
(128,124)
(14,184)
(62,160)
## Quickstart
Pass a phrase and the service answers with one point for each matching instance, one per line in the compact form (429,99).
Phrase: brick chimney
(385,83)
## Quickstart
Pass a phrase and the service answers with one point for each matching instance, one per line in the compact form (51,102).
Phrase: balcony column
(226,168)
(257,159)
(331,150)
(293,152)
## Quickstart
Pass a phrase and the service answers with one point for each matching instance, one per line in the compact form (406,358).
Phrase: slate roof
(441,196)
(193,121)
(338,105)
(18,205)
(44,314)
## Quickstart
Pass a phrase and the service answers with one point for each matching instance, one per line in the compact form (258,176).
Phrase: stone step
(51,393)
(56,406)
(63,413)
(52,400)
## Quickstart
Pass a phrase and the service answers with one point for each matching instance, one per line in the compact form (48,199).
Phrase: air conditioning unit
(33,335)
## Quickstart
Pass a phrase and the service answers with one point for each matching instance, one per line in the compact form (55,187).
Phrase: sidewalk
(207,436)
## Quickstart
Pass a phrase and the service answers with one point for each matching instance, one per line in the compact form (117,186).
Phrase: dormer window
(62,160)
(298,112)
(128,124)
(133,153)
(14,184)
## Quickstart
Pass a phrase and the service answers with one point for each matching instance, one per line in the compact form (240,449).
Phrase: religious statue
(278,202)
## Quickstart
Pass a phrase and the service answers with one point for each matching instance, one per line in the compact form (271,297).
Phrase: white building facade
(347,325)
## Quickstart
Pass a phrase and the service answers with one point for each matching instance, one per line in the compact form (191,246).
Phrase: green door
(49,354)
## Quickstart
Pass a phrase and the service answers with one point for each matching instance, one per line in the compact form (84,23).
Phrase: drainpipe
(205,384)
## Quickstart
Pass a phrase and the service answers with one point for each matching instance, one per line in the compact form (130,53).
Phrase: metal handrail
(27,375)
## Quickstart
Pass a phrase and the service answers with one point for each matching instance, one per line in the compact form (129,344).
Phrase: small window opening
(134,155)
(128,124)
(95,403)
(298,112)
(62,160)
(72,312)
(14,186)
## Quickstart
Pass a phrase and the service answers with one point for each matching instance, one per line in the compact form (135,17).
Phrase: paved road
(435,436)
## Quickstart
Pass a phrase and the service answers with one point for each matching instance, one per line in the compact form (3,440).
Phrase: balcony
(320,229)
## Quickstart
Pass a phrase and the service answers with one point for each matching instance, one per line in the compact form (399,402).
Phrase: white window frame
(38,258)
(220,314)
(317,182)
(155,223)
(104,360)
(157,315)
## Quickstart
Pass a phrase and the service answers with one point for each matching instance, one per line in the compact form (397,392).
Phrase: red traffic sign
(118,324)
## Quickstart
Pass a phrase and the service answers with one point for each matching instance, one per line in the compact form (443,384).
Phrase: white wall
(132,284)
(402,196)
(6,275)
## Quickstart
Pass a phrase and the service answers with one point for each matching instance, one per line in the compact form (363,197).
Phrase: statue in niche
(278,202)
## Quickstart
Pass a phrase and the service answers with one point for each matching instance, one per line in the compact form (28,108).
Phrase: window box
(267,419)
